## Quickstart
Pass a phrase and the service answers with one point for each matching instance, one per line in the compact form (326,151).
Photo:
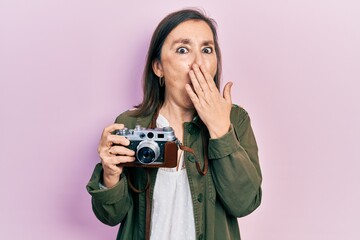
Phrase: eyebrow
(188,41)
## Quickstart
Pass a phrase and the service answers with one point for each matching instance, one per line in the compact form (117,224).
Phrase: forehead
(191,29)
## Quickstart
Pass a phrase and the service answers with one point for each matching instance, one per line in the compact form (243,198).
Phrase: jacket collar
(147,120)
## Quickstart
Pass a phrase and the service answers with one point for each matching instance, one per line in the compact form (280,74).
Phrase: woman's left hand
(213,108)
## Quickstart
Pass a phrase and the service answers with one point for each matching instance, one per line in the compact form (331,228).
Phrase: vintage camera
(153,147)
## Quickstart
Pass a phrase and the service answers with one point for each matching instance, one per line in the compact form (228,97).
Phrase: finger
(122,159)
(119,150)
(104,154)
(113,162)
(116,139)
(209,79)
(195,83)
(227,92)
(106,132)
(193,97)
(113,127)
(201,78)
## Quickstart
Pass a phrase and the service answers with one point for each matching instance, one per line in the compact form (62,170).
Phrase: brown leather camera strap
(148,213)
(154,118)
(203,171)
(146,186)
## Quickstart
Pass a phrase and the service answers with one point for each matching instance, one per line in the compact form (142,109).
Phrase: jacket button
(200,197)
(192,130)
(191,158)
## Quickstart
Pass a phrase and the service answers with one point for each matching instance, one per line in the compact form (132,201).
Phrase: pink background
(67,68)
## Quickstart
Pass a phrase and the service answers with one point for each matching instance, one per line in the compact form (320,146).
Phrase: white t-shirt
(172,210)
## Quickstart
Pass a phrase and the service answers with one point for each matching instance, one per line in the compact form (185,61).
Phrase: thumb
(227,92)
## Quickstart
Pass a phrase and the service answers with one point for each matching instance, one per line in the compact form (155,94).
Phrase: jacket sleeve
(235,166)
(109,205)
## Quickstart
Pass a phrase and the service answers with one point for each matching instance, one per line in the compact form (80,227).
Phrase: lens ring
(146,155)
(147,152)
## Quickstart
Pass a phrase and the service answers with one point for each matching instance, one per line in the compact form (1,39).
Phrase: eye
(207,50)
(182,50)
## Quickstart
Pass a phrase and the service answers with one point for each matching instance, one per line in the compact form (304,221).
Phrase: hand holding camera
(113,152)
(139,147)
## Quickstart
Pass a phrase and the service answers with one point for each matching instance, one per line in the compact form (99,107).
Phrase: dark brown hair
(153,93)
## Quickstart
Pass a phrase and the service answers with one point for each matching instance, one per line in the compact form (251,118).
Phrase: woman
(217,178)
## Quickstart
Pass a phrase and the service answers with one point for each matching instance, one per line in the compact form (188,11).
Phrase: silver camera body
(148,144)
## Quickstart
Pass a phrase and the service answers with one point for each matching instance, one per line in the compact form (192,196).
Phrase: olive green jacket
(230,189)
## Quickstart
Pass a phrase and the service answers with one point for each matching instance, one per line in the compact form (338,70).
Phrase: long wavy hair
(154,94)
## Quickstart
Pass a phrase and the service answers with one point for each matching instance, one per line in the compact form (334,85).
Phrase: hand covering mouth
(192,87)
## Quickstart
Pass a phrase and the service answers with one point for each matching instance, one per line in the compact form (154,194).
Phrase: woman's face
(191,42)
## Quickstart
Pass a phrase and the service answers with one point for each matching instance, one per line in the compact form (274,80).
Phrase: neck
(176,114)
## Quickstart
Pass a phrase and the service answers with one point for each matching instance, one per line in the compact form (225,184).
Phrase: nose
(199,58)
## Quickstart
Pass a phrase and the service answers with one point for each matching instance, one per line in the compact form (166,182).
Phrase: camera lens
(147,152)
(146,155)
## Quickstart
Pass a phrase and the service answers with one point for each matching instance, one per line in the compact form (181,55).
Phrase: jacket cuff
(223,146)
(109,195)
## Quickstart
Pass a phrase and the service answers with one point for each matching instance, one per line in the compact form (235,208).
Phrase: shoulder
(130,119)
(127,118)
(238,114)
(242,123)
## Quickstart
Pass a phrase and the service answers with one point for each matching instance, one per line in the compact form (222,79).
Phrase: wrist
(218,132)
(110,180)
